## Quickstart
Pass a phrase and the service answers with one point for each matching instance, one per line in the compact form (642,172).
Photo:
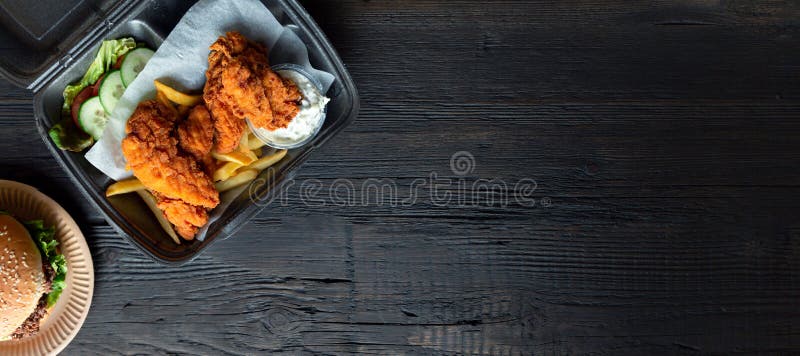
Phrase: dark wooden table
(663,139)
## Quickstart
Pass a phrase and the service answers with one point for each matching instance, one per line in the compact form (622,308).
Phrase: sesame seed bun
(21,275)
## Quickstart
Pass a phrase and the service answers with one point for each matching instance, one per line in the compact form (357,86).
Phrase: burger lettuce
(46,241)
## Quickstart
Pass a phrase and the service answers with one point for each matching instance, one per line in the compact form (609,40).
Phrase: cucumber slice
(133,63)
(111,90)
(93,117)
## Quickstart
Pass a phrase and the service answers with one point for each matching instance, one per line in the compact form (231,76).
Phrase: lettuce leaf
(108,54)
(46,241)
(68,136)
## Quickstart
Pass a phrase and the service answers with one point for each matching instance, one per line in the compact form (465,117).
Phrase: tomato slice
(118,65)
(84,95)
(96,86)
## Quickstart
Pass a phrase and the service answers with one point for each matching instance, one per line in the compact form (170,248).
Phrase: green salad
(89,102)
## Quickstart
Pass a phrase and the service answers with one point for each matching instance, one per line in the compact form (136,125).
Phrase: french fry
(124,186)
(176,96)
(258,152)
(240,178)
(150,200)
(242,158)
(226,171)
(164,100)
(243,141)
(254,142)
(266,161)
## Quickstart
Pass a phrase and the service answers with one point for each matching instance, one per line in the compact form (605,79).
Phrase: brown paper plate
(67,316)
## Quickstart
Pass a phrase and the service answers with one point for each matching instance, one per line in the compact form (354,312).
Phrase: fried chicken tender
(183,191)
(241,85)
(196,133)
(228,126)
(186,218)
(196,136)
(228,129)
(152,153)
(283,98)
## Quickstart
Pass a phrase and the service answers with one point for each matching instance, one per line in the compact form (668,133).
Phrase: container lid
(37,38)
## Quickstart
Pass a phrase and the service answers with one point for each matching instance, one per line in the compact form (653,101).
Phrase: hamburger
(32,275)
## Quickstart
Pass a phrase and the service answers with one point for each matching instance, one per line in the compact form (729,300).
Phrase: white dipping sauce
(305,124)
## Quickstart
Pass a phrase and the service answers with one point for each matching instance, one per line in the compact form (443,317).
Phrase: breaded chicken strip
(240,84)
(246,92)
(152,153)
(186,218)
(196,133)
(196,136)
(228,125)
(283,98)
(228,128)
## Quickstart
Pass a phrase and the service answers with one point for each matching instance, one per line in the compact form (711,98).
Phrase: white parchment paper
(181,62)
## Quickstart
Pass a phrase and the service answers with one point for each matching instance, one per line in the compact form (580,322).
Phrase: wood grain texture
(663,138)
